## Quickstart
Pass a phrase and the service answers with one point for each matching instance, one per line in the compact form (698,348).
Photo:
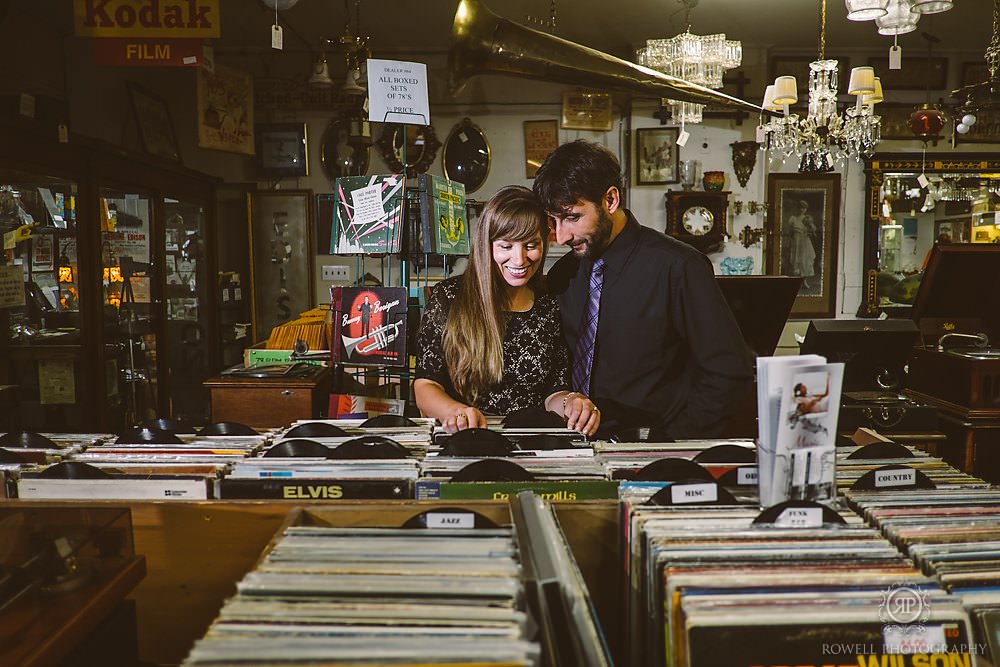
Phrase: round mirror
(467,156)
(421,147)
(340,156)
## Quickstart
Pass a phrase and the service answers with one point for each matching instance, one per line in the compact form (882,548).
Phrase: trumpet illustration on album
(377,339)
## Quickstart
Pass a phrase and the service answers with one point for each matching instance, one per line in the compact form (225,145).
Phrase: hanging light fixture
(320,77)
(984,96)
(927,121)
(895,17)
(865,10)
(824,138)
(701,59)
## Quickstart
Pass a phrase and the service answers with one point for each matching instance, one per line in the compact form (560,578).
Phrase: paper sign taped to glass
(369,325)
(368,215)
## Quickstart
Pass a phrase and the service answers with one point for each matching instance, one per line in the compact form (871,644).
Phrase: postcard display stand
(954,371)
(375,323)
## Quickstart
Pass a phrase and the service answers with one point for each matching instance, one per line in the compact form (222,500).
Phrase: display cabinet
(115,320)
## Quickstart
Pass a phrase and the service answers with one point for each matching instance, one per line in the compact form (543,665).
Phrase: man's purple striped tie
(583,359)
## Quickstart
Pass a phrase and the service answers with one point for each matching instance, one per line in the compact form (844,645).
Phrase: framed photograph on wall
(804,225)
(657,156)
(282,150)
(586,111)
(541,137)
(154,122)
(281,257)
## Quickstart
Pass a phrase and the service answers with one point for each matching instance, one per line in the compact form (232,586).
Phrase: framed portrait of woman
(803,227)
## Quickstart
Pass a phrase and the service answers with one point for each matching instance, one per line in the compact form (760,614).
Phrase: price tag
(694,493)
(895,57)
(912,638)
(225,295)
(923,181)
(450,520)
(800,517)
(761,134)
(276,37)
(746,476)
(63,133)
(683,137)
(190,60)
(237,294)
(892,478)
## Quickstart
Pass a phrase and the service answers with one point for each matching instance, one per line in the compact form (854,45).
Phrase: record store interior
(537,333)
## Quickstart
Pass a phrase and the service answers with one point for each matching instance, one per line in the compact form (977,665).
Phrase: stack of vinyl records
(186,469)
(954,535)
(852,465)
(377,596)
(709,588)
(416,436)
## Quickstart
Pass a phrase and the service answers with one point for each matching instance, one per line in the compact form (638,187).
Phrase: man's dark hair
(574,171)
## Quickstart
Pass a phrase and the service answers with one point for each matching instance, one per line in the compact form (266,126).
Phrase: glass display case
(108,307)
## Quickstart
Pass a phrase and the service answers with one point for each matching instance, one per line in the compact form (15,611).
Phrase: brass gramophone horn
(483,43)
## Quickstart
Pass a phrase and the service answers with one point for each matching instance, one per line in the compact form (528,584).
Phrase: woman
(491,340)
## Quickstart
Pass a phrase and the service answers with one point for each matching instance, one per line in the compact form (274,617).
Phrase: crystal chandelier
(823,139)
(701,59)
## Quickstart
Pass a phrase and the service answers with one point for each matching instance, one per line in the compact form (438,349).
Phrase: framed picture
(896,120)
(974,72)
(225,110)
(986,129)
(541,137)
(586,111)
(656,156)
(282,150)
(281,257)
(917,73)
(804,225)
(155,124)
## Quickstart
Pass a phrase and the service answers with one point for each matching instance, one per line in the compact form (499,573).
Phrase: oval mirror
(421,147)
(339,155)
(467,156)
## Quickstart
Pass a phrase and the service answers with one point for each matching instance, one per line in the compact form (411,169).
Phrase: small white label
(895,57)
(890,478)
(761,134)
(683,137)
(451,520)
(27,105)
(694,493)
(63,133)
(237,293)
(190,60)
(800,517)
(368,205)
(913,638)
(276,37)
(922,180)
(746,476)
(225,295)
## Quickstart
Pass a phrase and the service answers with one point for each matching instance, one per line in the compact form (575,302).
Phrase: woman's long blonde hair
(473,337)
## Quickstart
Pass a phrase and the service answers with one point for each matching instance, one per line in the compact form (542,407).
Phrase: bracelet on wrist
(566,400)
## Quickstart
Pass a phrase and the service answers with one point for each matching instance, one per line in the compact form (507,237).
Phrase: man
(366,316)
(667,352)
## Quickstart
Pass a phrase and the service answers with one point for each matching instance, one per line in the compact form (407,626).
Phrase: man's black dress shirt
(669,353)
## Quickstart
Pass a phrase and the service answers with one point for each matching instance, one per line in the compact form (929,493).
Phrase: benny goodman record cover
(369,325)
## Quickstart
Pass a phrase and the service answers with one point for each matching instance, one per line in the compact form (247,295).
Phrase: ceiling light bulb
(969,119)
(962,128)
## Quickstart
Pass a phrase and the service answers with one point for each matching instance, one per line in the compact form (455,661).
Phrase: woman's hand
(581,414)
(462,418)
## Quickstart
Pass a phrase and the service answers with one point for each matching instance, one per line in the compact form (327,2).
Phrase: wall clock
(697,217)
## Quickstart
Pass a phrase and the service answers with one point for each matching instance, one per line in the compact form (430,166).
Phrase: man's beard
(597,243)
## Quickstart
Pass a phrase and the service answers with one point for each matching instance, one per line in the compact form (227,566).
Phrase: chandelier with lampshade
(824,138)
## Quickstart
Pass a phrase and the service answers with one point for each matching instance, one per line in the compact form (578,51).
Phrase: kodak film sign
(147,18)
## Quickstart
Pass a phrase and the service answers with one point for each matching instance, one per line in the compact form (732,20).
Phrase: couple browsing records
(628,330)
